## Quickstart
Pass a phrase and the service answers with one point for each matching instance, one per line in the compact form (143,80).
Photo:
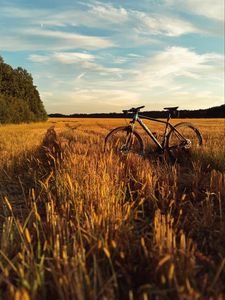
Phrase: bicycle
(183,136)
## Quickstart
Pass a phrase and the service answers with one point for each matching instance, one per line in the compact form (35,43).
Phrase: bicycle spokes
(123,141)
(184,138)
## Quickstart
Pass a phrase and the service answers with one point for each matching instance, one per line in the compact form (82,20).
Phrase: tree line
(213,112)
(19,98)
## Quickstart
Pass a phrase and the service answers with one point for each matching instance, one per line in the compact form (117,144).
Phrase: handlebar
(133,109)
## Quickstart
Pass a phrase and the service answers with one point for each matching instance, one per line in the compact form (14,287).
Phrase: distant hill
(213,112)
(19,97)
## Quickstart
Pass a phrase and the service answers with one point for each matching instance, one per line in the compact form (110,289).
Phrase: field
(77,223)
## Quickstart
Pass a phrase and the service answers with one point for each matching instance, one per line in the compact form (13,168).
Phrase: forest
(19,98)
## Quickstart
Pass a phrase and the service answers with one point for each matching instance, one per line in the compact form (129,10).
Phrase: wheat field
(77,223)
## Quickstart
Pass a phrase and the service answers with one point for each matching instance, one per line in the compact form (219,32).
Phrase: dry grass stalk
(93,226)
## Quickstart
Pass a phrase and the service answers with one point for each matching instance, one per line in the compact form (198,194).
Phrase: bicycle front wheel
(183,139)
(124,140)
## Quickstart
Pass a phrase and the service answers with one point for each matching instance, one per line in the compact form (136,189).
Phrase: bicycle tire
(123,140)
(176,146)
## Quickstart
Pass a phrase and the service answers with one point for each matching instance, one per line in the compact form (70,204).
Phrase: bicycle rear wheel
(184,139)
(124,140)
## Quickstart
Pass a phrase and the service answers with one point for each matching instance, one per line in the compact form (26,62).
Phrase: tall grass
(77,223)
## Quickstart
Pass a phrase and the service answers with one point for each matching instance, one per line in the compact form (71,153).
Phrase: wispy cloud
(63,57)
(108,13)
(210,9)
(117,97)
(70,40)
(85,62)
(38,58)
(162,25)
(27,39)
(207,8)
(150,23)
(178,61)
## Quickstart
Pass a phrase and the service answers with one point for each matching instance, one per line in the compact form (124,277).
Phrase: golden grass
(77,223)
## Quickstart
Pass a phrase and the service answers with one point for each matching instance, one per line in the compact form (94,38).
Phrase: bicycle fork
(129,138)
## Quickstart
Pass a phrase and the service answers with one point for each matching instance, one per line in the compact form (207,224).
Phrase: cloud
(38,58)
(41,39)
(85,63)
(80,76)
(71,40)
(108,13)
(72,57)
(176,62)
(210,9)
(63,57)
(151,23)
(116,97)
(162,25)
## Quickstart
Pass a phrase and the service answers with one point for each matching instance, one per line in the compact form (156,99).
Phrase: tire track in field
(19,181)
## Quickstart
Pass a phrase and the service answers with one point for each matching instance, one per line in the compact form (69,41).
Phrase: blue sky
(104,56)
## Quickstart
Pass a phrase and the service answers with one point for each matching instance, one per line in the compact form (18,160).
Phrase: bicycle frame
(138,118)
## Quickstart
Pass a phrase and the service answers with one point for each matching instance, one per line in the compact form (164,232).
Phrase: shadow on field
(25,181)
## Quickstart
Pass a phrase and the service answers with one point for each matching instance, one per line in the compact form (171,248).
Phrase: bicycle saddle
(171,108)
(133,109)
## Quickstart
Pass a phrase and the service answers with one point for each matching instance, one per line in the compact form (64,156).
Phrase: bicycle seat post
(169,116)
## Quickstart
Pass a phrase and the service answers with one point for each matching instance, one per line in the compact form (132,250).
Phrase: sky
(105,56)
